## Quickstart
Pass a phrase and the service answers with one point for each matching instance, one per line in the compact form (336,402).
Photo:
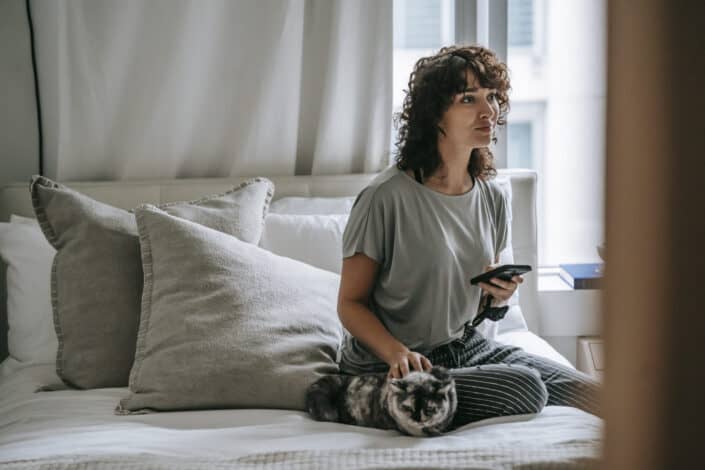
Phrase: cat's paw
(432,432)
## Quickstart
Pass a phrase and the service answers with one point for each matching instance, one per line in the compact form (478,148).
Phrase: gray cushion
(97,272)
(225,324)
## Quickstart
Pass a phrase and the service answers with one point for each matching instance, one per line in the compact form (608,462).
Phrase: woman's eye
(467,99)
(492,97)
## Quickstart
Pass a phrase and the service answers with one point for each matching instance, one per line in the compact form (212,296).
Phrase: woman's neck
(451,176)
(450,180)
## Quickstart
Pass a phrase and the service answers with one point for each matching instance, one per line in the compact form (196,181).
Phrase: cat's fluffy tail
(322,398)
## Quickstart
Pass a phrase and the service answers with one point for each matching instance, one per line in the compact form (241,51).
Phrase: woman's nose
(487,110)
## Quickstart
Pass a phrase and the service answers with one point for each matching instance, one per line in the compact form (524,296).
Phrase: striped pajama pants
(494,379)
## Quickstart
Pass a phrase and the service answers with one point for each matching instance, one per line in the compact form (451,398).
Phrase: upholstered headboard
(15,199)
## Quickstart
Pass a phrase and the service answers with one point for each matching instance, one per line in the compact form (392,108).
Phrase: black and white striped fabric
(494,379)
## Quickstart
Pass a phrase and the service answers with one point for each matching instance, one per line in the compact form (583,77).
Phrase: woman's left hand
(502,290)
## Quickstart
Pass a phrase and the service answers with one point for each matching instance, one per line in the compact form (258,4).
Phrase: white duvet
(69,427)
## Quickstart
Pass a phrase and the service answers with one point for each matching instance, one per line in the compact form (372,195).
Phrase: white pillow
(313,239)
(312,205)
(18,219)
(514,319)
(31,337)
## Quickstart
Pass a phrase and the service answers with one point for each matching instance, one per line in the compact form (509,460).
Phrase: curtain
(176,89)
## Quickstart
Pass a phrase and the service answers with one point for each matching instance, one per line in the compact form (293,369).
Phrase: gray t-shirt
(428,245)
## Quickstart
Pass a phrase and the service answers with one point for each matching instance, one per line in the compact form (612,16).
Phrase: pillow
(514,319)
(97,273)
(28,256)
(18,219)
(312,205)
(313,239)
(244,329)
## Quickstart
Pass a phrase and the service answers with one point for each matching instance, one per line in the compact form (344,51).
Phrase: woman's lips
(484,129)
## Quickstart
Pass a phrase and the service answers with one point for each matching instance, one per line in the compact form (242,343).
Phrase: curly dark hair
(433,84)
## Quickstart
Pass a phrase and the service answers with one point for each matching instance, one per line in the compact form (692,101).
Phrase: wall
(18,118)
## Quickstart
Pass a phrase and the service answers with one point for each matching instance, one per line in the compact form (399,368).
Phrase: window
(557,60)
(421,27)
(520,24)
(420,24)
(556,53)
(520,152)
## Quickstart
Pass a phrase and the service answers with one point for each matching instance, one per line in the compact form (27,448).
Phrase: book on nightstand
(582,276)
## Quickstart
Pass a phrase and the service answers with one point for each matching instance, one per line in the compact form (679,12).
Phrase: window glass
(421,27)
(520,25)
(557,60)
(519,149)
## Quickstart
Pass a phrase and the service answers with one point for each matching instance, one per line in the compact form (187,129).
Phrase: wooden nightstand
(591,356)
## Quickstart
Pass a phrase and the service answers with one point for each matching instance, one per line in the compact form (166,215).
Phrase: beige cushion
(226,324)
(97,271)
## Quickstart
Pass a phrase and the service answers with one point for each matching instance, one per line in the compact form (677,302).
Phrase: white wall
(18,119)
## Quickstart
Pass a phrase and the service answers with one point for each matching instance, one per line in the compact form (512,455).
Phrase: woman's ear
(440,129)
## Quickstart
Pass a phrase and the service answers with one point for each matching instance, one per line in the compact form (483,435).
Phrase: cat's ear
(398,384)
(440,373)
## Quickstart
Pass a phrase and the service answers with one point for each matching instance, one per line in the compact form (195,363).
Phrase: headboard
(15,199)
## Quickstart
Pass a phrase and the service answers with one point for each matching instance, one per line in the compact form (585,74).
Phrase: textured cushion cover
(97,272)
(226,324)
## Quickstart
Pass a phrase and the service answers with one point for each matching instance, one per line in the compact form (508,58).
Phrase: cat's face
(422,400)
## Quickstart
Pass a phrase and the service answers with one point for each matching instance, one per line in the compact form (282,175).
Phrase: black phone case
(504,272)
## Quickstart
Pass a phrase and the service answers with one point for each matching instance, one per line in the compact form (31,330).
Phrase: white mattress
(71,427)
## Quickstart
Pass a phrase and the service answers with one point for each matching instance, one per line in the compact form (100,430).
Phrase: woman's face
(471,118)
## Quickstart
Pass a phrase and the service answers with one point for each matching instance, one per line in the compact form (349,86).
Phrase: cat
(420,404)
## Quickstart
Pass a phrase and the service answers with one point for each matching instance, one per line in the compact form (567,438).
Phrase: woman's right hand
(401,362)
(356,282)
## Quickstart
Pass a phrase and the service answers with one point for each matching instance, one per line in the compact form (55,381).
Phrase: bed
(70,428)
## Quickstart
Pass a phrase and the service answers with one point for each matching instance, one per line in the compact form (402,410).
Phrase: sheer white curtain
(163,88)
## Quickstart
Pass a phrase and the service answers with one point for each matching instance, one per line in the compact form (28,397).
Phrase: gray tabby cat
(420,404)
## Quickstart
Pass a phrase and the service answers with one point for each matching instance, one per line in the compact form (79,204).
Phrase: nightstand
(566,314)
(591,358)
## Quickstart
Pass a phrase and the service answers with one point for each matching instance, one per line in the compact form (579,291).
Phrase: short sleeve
(365,231)
(503,221)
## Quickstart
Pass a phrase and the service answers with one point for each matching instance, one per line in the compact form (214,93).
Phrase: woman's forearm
(366,327)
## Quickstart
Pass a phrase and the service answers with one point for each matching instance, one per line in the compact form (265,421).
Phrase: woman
(422,229)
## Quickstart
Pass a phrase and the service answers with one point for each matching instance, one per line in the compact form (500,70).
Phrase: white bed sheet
(67,423)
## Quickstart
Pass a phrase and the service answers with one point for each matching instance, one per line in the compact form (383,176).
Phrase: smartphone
(504,272)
